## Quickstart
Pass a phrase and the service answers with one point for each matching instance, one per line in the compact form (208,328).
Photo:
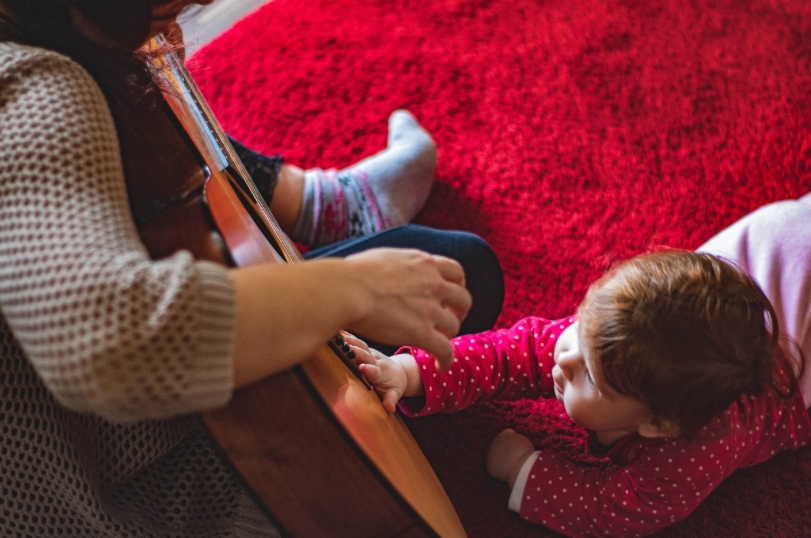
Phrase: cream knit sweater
(105,353)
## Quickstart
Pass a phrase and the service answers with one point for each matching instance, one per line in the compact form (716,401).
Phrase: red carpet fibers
(571,133)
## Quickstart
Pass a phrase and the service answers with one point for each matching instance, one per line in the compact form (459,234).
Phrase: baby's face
(598,408)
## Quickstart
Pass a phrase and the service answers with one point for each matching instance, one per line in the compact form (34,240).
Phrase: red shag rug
(571,134)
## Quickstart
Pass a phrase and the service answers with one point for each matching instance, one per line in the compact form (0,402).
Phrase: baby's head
(684,333)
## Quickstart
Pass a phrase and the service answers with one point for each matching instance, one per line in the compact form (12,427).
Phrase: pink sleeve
(662,480)
(508,364)
(665,483)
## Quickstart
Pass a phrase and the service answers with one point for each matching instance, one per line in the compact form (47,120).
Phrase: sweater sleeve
(108,330)
(505,364)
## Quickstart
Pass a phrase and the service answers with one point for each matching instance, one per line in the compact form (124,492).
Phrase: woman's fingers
(438,345)
(451,270)
(446,324)
(417,299)
(453,296)
(457,301)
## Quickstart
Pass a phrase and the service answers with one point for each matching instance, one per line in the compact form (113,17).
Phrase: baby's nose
(559,374)
(566,361)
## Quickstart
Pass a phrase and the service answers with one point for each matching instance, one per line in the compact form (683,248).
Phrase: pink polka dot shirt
(654,482)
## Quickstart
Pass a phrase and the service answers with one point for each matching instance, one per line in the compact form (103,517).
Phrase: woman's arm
(111,331)
(108,330)
(389,295)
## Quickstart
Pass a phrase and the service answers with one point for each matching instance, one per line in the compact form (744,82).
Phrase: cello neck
(192,111)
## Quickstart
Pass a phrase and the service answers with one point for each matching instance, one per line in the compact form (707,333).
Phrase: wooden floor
(201,24)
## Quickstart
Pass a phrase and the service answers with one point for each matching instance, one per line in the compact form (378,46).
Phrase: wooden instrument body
(313,443)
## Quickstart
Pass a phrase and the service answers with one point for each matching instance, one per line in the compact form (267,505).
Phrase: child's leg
(773,244)
(320,207)
(383,191)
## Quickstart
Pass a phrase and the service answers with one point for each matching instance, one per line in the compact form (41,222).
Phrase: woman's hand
(394,296)
(411,298)
(507,454)
(392,377)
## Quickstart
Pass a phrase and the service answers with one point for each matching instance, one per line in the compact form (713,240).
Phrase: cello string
(216,150)
(217,147)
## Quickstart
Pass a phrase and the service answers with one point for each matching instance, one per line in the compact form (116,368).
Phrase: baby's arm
(505,364)
(392,377)
(662,483)
(507,454)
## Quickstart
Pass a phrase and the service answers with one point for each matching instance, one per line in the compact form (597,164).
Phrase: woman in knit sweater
(106,353)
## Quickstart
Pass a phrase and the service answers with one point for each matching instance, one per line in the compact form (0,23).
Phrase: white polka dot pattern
(653,482)
(506,364)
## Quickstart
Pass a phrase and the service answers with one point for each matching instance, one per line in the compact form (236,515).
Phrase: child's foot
(385,190)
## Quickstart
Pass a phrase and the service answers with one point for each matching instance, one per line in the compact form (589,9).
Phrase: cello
(313,444)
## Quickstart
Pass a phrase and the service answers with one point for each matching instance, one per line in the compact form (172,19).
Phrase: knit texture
(571,134)
(104,352)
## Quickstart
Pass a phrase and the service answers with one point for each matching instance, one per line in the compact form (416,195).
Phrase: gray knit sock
(385,190)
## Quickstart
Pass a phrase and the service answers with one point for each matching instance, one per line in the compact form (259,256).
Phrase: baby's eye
(589,378)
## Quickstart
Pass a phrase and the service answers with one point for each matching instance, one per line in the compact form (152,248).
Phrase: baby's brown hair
(685,333)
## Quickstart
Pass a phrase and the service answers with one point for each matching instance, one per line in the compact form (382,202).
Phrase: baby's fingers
(372,372)
(353,340)
(363,354)
(390,399)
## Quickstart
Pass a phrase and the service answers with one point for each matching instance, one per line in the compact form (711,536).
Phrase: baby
(674,364)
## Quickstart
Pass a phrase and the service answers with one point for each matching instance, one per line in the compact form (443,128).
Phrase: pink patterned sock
(385,190)
(342,205)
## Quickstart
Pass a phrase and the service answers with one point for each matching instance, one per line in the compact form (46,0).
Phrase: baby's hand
(507,454)
(387,375)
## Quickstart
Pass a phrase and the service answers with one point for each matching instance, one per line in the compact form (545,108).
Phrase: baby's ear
(656,428)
